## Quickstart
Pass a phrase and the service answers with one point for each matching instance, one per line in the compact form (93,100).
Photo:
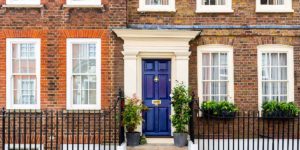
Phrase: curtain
(274,76)
(157,2)
(213,2)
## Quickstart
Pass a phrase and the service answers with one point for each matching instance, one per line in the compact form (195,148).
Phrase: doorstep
(157,147)
(158,144)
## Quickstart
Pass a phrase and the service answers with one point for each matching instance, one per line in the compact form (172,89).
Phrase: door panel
(157,86)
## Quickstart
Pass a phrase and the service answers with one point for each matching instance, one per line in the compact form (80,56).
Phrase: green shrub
(280,109)
(221,108)
(180,102)
(132,114)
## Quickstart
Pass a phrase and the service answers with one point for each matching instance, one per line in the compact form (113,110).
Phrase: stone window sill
(83,6)
(22,6)
(153,9)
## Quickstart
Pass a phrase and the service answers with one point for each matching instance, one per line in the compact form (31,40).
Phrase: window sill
(83,6)
(22,6)
(262,10)
(156,10)
(214,11)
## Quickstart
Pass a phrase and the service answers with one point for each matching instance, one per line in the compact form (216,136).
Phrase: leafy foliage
(132,114)
(222,108)
(280,109)
(180,102)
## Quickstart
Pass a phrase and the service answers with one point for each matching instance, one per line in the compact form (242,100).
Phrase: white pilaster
(130,73)
(182,67)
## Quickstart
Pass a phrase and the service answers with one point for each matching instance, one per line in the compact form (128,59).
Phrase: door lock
(156,79)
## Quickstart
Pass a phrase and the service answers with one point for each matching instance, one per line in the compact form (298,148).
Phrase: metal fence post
(121,127)
(3,128)
(191,120)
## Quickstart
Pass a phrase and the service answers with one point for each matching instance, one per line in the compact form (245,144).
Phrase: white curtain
(274,76)
(213,2)
(214,76)
(157,2)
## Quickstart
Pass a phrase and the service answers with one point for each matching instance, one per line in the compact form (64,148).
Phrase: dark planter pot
(224,115)
(180,139)
(133,138)
(278,115)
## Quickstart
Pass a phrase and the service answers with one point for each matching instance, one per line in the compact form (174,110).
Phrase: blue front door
(156,96)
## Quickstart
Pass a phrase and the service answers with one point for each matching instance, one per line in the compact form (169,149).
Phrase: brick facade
(53,24)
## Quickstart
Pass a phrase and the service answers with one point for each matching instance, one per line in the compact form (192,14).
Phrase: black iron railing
(249,130)
(74,130)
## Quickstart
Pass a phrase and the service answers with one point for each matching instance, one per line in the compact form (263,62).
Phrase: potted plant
(132,117)
(221,109)
(180,119)
(279,110)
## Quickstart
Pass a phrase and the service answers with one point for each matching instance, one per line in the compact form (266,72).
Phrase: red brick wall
(53,24)
(244,14)
(245,44)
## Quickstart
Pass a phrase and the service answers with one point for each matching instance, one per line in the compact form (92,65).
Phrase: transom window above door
(215,73)
(215,6)
(83,73)
(157,5)
(83,2)
(274,6)
(23,73)
(23,2)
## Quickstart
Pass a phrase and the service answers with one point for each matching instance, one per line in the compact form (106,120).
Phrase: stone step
(157,147)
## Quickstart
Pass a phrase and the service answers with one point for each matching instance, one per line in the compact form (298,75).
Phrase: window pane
(283,98)
(223,59)
(266,88)
(76,97)
(215,59)
(272,2)
(214,88)
(206,88)
(92,96)
(274,59)
(215,73)
(223,87)
(205,59)
(283,88)
(84,97)
(92,66)
(274,73)
(283,73)
(265,59)
(76,82)
(92,84)
(265,73)
(76,66)
(84,66)
(275,88)
(206,73)
(283,59)
(213,2)
(223,74)
(84,83)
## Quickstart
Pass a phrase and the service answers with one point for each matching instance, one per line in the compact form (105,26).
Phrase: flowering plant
(132,114)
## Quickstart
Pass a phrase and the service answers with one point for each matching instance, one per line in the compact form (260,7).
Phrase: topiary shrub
(180,102)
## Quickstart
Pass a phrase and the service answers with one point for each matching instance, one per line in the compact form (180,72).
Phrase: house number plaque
(156,102)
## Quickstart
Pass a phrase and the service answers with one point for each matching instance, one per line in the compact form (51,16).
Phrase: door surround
(155,44)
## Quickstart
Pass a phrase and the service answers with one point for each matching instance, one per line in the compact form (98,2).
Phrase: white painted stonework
(157,44)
